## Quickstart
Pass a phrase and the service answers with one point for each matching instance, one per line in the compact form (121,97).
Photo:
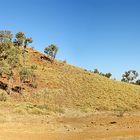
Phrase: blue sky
(103,34)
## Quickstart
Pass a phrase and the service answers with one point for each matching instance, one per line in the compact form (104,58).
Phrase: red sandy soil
(91,127)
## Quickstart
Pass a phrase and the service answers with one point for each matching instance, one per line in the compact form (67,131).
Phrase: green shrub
(33,85)
(3,97)
(36,111)
(43,106)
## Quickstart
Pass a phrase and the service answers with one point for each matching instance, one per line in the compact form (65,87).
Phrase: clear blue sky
(103,34)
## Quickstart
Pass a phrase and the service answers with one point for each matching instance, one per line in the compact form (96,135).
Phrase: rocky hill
(61,86)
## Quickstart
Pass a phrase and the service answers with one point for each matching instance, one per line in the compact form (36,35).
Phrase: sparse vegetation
(108,75)
(10,56)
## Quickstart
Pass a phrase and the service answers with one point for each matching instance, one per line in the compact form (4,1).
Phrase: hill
(61,86)
(67,102)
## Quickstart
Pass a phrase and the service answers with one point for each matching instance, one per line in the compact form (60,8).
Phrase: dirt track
(92,127)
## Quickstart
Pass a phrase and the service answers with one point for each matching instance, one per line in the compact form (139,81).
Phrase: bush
(33,85)
(3,97)
(31,109)
(36,111)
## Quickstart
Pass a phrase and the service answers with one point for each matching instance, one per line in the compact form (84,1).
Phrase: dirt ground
(98,126)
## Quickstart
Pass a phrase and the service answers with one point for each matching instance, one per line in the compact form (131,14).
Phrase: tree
(51,51)
(129,76)
(27,41)
(138,82)
(10,53)
(96,71)
(22,40)
(5,36)
(108,75)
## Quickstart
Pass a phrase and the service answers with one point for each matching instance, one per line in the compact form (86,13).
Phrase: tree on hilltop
(10,58)
(51,51)
(27,41)
(129,76)
(96,71)
(108,75)
(5,36)
(22,40)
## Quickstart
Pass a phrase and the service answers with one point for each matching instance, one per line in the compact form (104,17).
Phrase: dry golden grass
(71,87)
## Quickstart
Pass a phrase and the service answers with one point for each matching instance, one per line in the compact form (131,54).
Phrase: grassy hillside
(62,86)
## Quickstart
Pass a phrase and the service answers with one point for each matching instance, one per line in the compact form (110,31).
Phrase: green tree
(138,82)
(27,41)
(22,40)
(51,51)
(5,36)
(96,71)
(10,53)
(129,76)
(108,75)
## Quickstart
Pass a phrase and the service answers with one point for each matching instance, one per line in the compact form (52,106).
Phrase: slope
(72,87)
(63,86)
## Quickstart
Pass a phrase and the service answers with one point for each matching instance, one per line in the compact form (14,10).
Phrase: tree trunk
(23,55)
